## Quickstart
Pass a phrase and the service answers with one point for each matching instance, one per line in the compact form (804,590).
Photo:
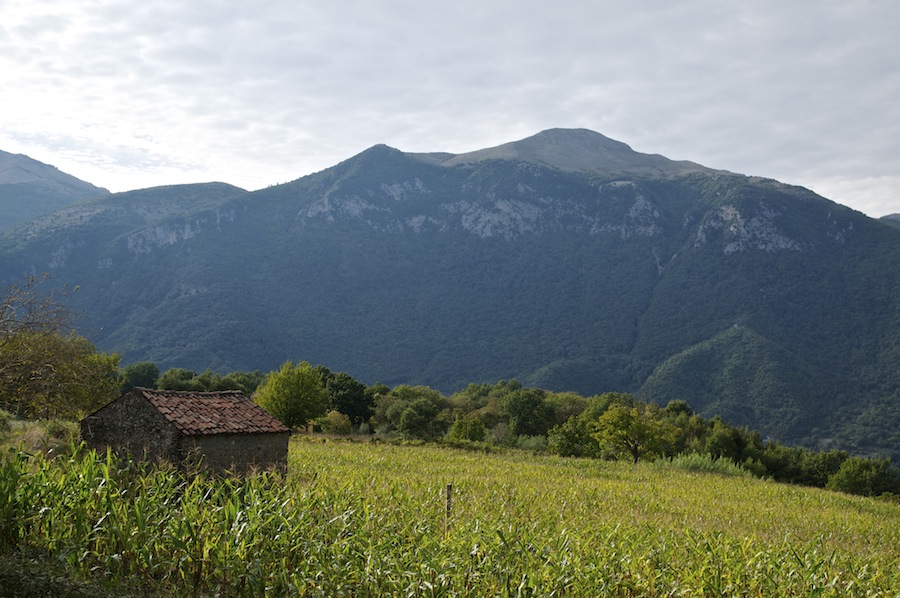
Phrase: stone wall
(236,453)
(130,424)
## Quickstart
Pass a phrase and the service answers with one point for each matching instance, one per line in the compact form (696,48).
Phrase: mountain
(29,189)
(579,150)
(565,260)
(891,219)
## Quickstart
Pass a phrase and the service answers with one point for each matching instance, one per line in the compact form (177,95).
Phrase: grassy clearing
(370,519)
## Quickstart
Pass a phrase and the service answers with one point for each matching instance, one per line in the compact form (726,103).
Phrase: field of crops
(362,519)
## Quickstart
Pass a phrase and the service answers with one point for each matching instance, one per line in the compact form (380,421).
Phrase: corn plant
(353,519)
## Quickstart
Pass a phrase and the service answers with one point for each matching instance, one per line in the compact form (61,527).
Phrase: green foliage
(705,463)
(335,422)
(143,373)
(348,395)
(294,394)
(466,428)
(56,376)
(867,477)
(374,524)
(419,419)
(180,379)
(185,379)
(637,431)
(574,438)
(526,412)
(246,382)
(46,370)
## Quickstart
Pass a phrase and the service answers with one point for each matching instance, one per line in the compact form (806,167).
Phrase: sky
(130,94)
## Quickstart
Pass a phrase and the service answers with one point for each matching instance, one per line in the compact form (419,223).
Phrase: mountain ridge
(406,268)
(29,188)
(580,150)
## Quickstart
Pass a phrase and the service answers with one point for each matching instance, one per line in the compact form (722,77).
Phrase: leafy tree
(574,438)
(598,404)
(466,428)
(867,477)
(678,407)
(390,406)
(724,441)
(180,379)
(636,431)
(294,394)
(526,412)
(565,405)
(46,370)
(335,422)
(418,419)
(350,397)
(246,382)
(142,373)
(184,379)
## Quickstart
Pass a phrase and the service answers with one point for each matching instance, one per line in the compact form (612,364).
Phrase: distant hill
(891,219)
(29,189)
(565,260)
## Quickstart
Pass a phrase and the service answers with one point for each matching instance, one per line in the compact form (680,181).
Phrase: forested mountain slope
(565,260)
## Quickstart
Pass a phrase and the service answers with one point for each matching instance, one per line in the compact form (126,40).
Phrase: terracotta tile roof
(204,413)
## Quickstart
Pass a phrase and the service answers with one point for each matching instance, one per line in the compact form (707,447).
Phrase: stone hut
(224,431)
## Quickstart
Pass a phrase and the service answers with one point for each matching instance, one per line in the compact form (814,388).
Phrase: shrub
(336,422)
(466,429)
(5,421)
(536,443)
(573,439)
(707,463)
(866,477)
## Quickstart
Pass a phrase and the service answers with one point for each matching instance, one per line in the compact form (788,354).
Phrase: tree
(350,397)
(526,412)
(867,477)
(246,382)
(573,439)
(335,422)
(142,373)
(180,379)
(390,406)
(295,395)
(57,376)
(636,431)
(466,428)
(26,317)
(46,370)
(418,419)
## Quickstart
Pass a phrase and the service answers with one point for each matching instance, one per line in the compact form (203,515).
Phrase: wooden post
(449,497)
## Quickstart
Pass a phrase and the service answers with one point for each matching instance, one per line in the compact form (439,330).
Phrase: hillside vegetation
(372,519)
(566,261)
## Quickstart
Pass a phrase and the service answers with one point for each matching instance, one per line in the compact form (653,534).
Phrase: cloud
(264,92)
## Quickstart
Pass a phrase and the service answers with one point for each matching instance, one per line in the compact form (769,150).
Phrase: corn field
(355,519)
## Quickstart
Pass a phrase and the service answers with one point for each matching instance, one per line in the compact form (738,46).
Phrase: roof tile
(206,413)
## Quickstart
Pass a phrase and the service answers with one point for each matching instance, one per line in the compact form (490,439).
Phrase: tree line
(48,371)
(610,426)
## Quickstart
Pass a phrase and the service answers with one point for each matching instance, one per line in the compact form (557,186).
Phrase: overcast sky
(129,94)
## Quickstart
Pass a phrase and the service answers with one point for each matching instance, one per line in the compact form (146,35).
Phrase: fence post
(449,499)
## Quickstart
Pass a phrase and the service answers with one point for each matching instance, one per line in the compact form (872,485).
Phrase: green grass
(360,519)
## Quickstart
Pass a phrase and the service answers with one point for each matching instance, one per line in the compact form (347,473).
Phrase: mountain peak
(580,150)
(29,188)
(19,169)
